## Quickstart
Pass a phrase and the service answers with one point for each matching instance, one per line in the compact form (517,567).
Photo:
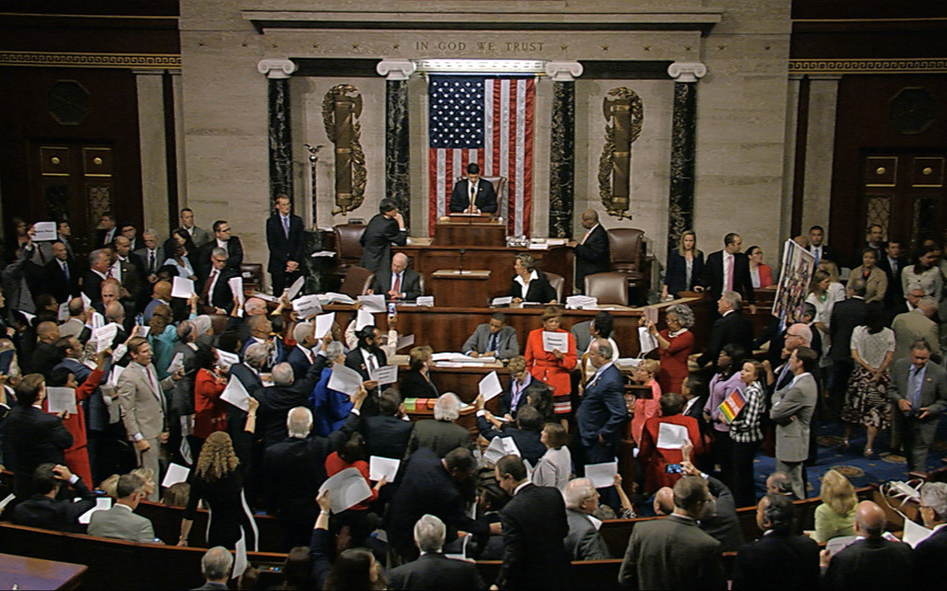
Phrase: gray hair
(927,302)
(735,299)
(447,407)
(916,287)
(805,332)
(429,533)
(186,331)
(216,563)
(96,254)
(335,349)
(299,422)
(255,306)
(684,314)
(934,495)
(218,252)
(283,374)
(577,491)
(203,324)
(604,348)
(301,331)
(255,355)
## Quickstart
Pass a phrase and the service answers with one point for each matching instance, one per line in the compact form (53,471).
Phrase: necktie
(817,251)
(65,269)
(729,284)
(915,388)
(151,261)
(209,284)
(286,227)
(492,345)
(396,287)
(586,237)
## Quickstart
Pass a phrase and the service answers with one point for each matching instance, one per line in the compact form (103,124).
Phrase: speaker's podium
(469,229)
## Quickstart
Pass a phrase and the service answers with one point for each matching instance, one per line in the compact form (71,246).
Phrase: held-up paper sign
(182,288)
(104,336)
(602,475)
(226,359)
(61,399)
(176,473)
(324,324)
(499,447)
(363,319)
(236,394)
(490,386)
(43,231)
(177,362)
(307,306)
(555,340)
(671,436)
(344,379)
(379,466)
(295,288)
(373,303)
(405,341)
(63,314)
(236,287)
(346,488)
(386,374)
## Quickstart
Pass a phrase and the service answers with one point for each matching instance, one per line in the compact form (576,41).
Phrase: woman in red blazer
(553,367)
(761,274)
(210,412)
(675,344)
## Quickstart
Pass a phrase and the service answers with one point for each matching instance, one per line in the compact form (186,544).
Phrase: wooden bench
(167,523)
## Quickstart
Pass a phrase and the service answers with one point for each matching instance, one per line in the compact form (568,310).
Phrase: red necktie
(397,286)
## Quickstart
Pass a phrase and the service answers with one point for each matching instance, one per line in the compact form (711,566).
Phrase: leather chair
(625,250)
(609,288)
(557,282)
(348,249)
(358,280)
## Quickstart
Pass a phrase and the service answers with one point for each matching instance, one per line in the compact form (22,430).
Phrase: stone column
(683,148)
(397,143)
(277,72)
(562,148)
(820,150)
(154,162)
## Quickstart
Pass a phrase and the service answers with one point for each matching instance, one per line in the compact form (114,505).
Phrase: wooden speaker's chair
(358,280)
(558,283)
(348,249)
(626,247)
(608,288)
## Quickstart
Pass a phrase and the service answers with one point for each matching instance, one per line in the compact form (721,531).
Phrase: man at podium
(473,194)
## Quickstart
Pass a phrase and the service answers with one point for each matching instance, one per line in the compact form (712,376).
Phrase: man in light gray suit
(152,255)
(792,409)
(910,326)
(920,396)
(121,522)
(494,339)
(144,408)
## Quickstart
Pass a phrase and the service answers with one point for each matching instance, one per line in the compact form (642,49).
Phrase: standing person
(62,274)
(866,402)
(384,229)
(917,324)
(233,249)
(210,412)
(792,409)
(925,271)
(846,315)
(685,266)
(144,407)
(728,270)
(473,194)
(893,264)
(747,433)
(534,531)
(198,236)
(552,367)
(824,303)
(876,282)
(817,246)
(151,254)
(731,328)
(724,382)
(920,393)
(645,408)
(433,571)
(555,467)
(760,273)
(655,460)
(284,239)
(675,344)
(592,253)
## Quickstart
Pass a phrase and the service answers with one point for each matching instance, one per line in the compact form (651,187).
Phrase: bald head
(47,332)
(255,307)
(869,519)
(664,501)
(114,312)
(162,290)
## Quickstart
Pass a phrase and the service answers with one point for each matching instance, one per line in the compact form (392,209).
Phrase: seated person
(121,522)
(835,517)
(583,542)
(526,434)
(494,339)
(44,511)
(473,194)
(433,570)
(417,382)
(401,283)
(530,284)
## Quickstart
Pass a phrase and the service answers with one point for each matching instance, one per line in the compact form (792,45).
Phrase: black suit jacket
(386,436)
(102,237)
(221,296)
(160,257)
(846,316)
(56,283)
(828,253)
(57,515)
(534,530)
(591,257)
(203,265)
(778,560)
(413,385)
(92,286)
(929,558)
(713,278)
(872,563)
(894,295)
(540,290)
(435,572)
(380,233)
(295,469)
(355,360)
(32,438)
(283,249)
(676,275)
(410,284)
(486,196)
(733,328)
(528,442)
(277,401)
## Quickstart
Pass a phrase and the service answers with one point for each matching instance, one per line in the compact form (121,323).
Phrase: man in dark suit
(534,532)
(129,270)
(603,412)
(151,255)
(222,239)
(874,238)
(401,283)
(384,229)
(305,352)
(780,559)
(818,248)
(931,553)
(284,239)
(199,236)
(215,566)
(365,358)
(493,339)
(99,265)
(526,433)
(718,518)
(216,296)
(430,485)
(728,270)
(387,434)
(920,394)
(287,393)
(106,232)
(441,434)
(433,571)
(674,553)
(473,194)
(62,274)
(846,316)
(871,562)
(732,328)
(47,354)
(248,372)
(44,511)
(591,253)
(892,263)
(32,437)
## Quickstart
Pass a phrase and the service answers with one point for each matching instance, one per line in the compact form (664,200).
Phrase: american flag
(488,121)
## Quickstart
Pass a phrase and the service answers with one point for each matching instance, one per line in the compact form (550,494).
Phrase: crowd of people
(147,374)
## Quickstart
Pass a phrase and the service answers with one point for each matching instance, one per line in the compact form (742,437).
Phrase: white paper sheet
(63,314)
(490,386)
(374,303)
(386,374)
(405,341)
(104,336)
(86,302)
(61,399)
(101,504)
(119,352)
(671,436)
(602,475)
(44,231)
(425,301)
(499,447)
(182,288)
(579,302)
(144,331)
(346,488)
(555,340)
(116,373)
(324,324)
(344,379)
(226,359)
(307,306)
(914,534)
(363,319)
(239,556)
(236,394)
(177,362)
(176,473)
(295,288)
(595,521)
(646,341)
(236,287)
(98,321)
(502,301)
(379,466)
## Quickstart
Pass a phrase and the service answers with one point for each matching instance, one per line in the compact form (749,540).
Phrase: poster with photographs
(794,278)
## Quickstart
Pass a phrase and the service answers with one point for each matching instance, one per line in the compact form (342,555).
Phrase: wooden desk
(470,229)
(460,287)
(36,573)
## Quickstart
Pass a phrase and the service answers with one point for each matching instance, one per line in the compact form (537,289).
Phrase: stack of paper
(490,386)
(499,447)
(307,306)
(379,466)
(182,288)
(578,302)
(332,297)
(374,303)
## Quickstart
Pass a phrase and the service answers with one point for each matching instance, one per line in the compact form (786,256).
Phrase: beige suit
(875,286)
(911,326)
(144,411)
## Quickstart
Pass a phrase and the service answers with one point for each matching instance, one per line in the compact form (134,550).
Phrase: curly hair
(217,458)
